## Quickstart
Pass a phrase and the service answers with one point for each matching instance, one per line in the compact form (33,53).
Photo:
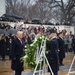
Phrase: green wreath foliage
(30,52)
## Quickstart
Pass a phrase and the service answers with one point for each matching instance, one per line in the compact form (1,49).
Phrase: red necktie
(20,41)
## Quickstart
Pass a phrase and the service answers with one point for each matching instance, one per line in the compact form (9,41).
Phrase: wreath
(30,52)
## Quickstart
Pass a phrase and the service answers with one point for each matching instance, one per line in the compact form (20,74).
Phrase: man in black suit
(17,53)
(53,52)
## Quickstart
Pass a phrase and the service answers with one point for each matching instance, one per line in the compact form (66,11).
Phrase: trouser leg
(17,72)
(56,73)
(61,60)
(3,57)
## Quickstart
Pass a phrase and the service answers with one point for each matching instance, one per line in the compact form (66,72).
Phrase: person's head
(64,32)
(24,33)
(52,33)
(2,36)
(60,34)
(19,34)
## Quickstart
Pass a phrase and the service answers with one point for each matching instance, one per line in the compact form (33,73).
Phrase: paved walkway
(5,66)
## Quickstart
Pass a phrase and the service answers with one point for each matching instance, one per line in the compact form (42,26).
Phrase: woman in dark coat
(3,46)
(53,52)
(61,48)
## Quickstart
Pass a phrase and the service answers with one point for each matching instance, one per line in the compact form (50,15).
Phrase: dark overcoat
(3,48)
(61,48)
(73,44)
(16,54)
(53,55)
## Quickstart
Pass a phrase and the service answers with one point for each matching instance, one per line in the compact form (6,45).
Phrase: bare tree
(63,12)
(67,10)
(70,11)
(18,7)
(40,10)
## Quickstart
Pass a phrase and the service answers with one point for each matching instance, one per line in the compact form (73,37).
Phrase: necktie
(20,41)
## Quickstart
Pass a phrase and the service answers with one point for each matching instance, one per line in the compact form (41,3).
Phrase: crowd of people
(60,44)
(5,26)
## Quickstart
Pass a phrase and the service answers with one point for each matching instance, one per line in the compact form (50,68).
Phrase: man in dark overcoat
(53,52)
(73,43)
(61,48)
(17,53)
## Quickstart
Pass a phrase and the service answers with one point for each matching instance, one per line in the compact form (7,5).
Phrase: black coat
(16,54)
(73,44)
(53,55)
(61,48)
(3,47)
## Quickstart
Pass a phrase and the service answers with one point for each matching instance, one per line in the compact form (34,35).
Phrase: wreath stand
(71,72)
(41,60)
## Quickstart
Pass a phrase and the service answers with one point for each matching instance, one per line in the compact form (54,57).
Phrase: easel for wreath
(41,60)
(71,72)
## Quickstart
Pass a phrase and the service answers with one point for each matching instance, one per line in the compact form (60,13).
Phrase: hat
(52,30)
